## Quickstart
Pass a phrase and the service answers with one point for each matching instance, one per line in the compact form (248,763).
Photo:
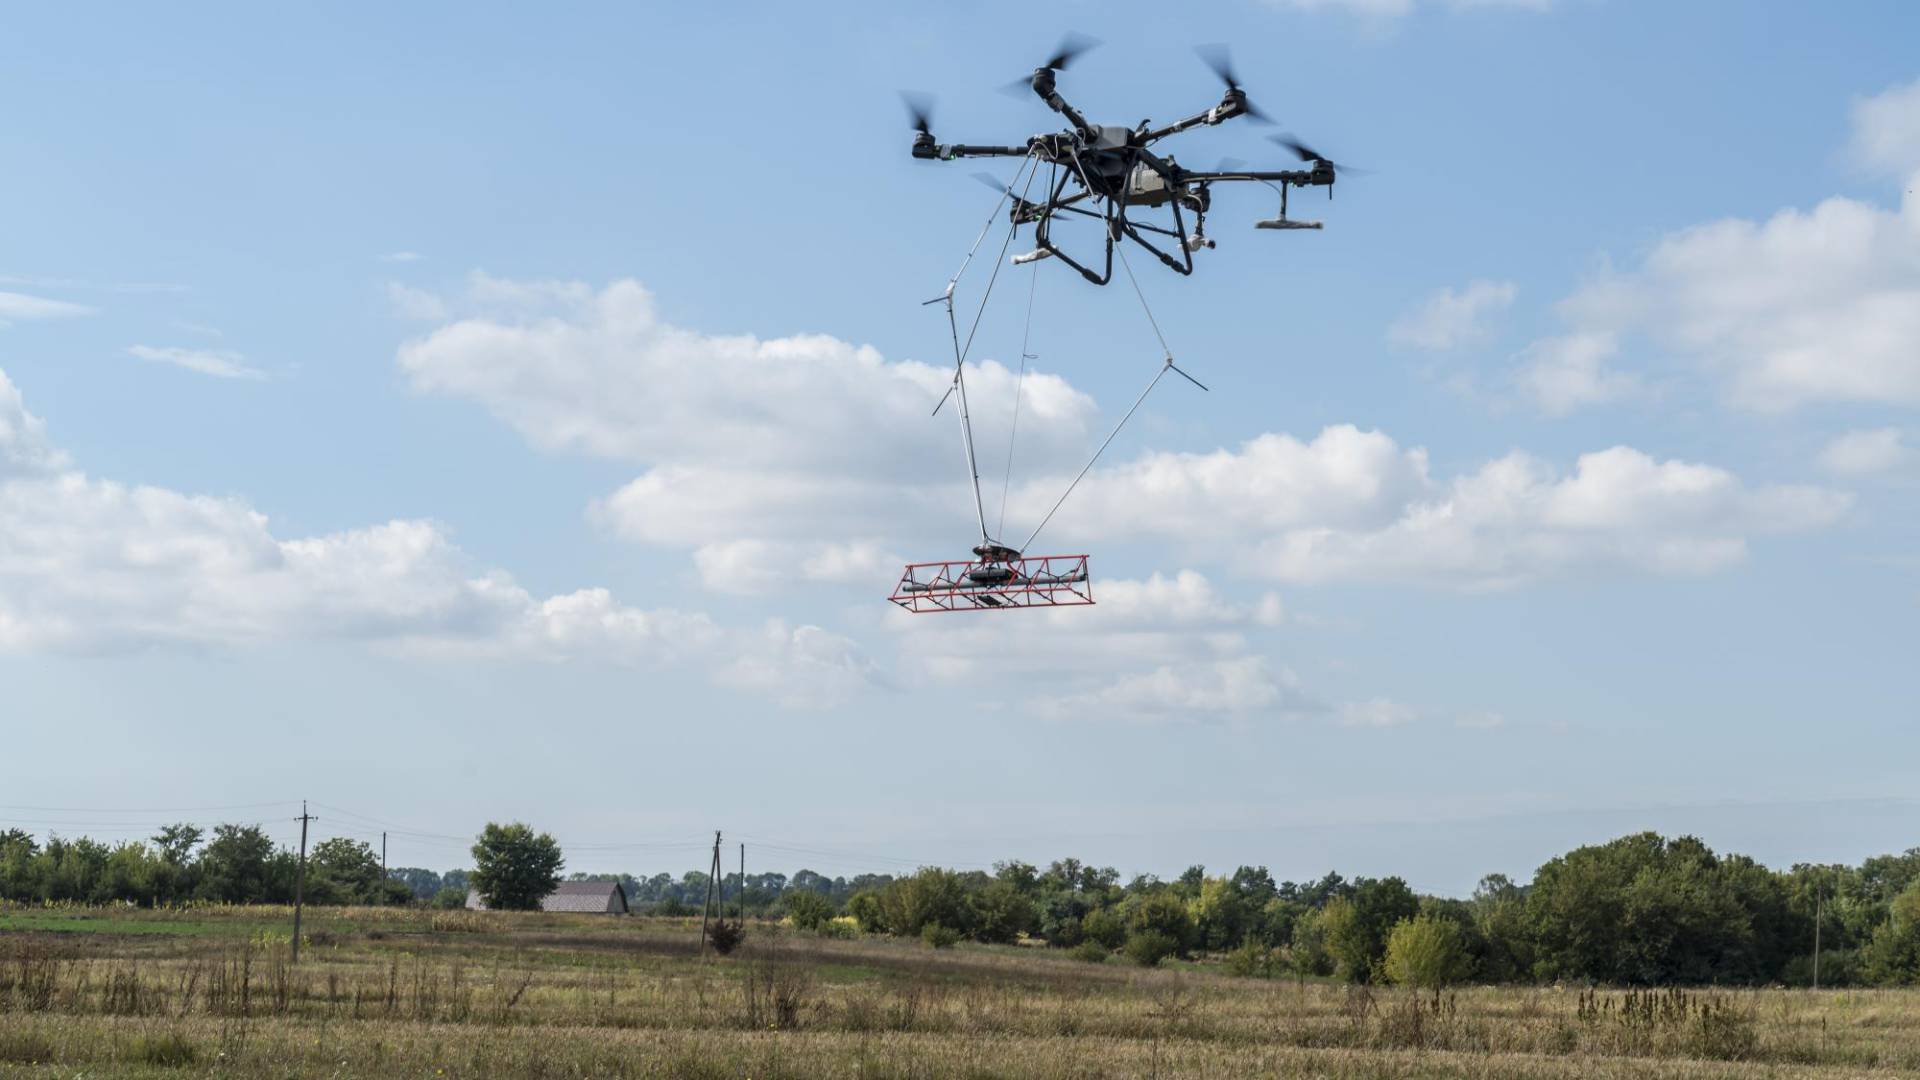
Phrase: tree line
(1639,910)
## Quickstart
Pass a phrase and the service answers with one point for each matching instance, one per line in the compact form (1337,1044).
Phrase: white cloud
(1450,319)
(1238,687)
(1819,305)
(1562,374)
(20,307)
(803,667)
(601,373)
(1484,719)
(400,257)
(1376,713)
(1886,130)
(219,363)
(24,449)
(1860,452)
(1354,506)
(806,459)
(89,565)
(789,459)
(1171,648)
(418,305)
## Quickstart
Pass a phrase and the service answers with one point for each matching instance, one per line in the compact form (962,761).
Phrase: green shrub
(1253,960)
(1426,951)
(841,928)
(1104,925)
(1148,947)
(939,937)
(449,899)
(1090,951)
(808,909)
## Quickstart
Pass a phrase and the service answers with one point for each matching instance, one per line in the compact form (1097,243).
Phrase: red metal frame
(1037,582)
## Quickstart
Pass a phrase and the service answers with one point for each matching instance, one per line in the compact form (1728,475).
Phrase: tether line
(1166,365)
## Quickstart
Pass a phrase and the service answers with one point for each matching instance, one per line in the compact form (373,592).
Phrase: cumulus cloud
(1819,305)
(1862,452)
(1449,319)
(24,448)
(806,460)
(779,460)
(20,307)
(1886,130)
(1163,648)
(1355,506)
(90,565)
(219,363)
(1561,374)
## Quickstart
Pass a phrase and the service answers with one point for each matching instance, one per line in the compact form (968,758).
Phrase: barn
(593,897)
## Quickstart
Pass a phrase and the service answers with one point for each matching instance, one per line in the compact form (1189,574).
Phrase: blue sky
(467,412)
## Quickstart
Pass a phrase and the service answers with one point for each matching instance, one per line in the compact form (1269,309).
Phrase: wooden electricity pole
(713,879)
(743,884)
(300,880)
(383,866)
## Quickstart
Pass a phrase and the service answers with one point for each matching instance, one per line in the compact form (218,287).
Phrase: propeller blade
(992,181)
(1072,45)
(1219,58)
(919,110)
(1305,152)
(1230,164)
(1309,154)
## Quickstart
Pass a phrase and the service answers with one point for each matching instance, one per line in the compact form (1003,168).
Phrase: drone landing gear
(999,579)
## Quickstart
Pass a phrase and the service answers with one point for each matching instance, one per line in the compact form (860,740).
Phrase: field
(389,992)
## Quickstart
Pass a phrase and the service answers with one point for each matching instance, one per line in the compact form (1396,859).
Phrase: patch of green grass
(86,924)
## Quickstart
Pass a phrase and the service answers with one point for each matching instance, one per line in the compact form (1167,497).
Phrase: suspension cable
(1166,365)
(1019,383)
(958,388)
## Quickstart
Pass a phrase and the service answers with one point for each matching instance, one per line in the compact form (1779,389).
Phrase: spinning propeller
(1071,47)
(919,110)
(1220,59)
(1314,157)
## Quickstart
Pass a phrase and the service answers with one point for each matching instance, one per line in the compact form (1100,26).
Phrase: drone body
(1103,171)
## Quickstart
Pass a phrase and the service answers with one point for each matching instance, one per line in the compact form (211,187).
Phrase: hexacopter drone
(1099,172)
(1102,171)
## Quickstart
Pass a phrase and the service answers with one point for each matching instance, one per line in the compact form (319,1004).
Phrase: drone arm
(1232,105)
(1043,86)
(928,150)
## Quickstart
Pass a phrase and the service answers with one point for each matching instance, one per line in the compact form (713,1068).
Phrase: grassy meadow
(390,992)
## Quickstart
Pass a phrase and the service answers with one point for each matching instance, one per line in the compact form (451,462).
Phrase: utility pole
(383,866)
(300,880)
(743,884)
(713,879)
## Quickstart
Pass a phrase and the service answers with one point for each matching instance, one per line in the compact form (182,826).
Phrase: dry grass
(384,993)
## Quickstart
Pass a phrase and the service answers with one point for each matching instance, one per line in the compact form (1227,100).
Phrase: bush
(450,899)
(1253,960)
(1148,947)
(1105,927)
(808,909)
(864,907)
(1426,951)
(1165,914)
(1090,951)
(725,936)
(840,928)
(939,937)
